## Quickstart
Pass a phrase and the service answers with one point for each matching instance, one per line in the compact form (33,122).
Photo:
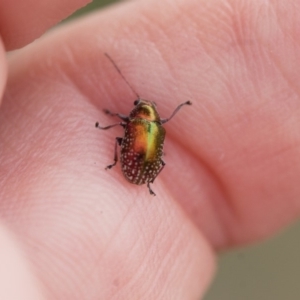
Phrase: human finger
(23,21)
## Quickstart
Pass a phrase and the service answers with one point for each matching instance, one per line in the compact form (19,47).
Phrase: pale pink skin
(232,159)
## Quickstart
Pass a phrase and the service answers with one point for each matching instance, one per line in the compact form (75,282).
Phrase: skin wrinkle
(40,265)
(93,271)
(284,74)
(217,61)
(183,275)
(77,85)
(63,258)
(131,281)
(280,67)
(165,262)
(280,26)
(127,280)
(278,154)
(240,43)
(163,36)
(246,63)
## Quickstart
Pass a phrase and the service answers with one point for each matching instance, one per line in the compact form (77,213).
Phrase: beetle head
(145,109)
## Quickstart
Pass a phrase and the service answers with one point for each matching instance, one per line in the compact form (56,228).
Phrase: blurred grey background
(269,270)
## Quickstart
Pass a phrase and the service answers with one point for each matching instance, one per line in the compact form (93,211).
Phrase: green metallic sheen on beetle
(142,144)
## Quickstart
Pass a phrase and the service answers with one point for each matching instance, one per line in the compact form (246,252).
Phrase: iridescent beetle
(142,144)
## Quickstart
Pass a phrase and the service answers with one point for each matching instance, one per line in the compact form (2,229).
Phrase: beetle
(143,140)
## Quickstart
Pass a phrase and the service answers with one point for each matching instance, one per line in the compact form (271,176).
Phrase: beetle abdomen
(141,150)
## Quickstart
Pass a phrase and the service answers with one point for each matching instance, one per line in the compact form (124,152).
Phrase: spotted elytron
(142,144)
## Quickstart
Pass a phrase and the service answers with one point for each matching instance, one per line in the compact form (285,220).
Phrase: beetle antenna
(119,71)
(163,121)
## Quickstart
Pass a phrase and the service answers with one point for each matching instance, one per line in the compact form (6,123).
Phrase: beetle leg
(122,117)
(118,142)
(148,184)
(162,167)
(110,126)
(163,121)
(150,190)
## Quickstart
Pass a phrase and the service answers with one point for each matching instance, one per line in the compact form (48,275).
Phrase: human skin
(232,159)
